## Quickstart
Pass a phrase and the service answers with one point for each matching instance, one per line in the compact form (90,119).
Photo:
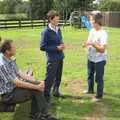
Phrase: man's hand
(40,86)
(88,43)
(61,47)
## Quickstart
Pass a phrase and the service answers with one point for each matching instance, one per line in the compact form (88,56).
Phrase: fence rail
(27,23)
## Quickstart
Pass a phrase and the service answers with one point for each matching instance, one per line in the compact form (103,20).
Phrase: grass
(77,105)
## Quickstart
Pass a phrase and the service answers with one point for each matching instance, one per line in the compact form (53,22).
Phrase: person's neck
(53,26)
(7,56)
(97,28)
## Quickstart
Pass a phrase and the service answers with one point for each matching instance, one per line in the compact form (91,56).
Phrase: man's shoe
(95,99)
(56,92)
(88,92)
(48,116)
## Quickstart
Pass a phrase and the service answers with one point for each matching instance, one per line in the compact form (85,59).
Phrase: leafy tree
(39,8)
(8,6)
(109,5)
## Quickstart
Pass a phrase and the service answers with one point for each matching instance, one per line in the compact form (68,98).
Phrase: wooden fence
(27,23)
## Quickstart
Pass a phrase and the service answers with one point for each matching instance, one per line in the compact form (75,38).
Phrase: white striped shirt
(8,73)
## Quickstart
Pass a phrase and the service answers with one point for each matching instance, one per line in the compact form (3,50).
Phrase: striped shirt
(8,73)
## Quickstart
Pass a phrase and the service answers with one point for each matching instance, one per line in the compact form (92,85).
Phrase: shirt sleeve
(104,38)
(43,44)
(6,75)
(16,68)
(61,37)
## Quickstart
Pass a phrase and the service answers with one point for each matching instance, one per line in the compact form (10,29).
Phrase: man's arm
(43,44)
(48,48)
(99,47)
(23,84)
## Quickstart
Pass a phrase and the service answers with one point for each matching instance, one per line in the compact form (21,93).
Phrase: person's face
(93,23)
(12,51)
(55,20)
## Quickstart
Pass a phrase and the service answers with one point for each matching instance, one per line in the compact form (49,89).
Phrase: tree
(66,6)
(8,6)
(39,8)
(109,5)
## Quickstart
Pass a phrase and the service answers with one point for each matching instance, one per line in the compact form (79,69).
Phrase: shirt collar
(55,30)
(5,59)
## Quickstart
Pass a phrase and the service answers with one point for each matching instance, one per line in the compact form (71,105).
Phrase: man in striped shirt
(13,90)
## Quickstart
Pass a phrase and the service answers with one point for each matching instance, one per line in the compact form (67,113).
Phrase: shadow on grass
(22,112)
(72,107)
(66,96)
(113,95)
(69,108)
(113,108)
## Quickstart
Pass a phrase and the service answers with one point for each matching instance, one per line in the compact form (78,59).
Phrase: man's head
(8,48)
(53,17)
(96,19)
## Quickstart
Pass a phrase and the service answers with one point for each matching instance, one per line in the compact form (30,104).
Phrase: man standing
(13,90)
(52,44)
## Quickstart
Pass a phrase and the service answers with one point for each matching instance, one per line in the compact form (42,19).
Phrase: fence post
(44,22)
(32,23)
(19,23)
(5,23)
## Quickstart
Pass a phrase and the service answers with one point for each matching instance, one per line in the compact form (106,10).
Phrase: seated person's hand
(41,86)
(42,83)
(30,78)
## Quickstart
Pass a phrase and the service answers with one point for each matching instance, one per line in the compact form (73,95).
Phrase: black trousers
(19,95)
(53,76)
(97,70)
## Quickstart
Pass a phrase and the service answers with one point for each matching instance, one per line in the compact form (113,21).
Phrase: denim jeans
(96,72)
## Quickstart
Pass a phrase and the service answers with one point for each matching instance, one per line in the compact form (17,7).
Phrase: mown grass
(71,108)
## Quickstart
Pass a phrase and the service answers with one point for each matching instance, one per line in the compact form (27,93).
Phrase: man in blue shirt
(52,44)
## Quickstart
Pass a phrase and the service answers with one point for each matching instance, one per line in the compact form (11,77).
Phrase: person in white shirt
(97,55)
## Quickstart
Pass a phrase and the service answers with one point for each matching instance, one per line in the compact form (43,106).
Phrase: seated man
(13,90)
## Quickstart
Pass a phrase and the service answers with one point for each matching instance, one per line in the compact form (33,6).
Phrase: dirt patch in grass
(98,112)
(76,88)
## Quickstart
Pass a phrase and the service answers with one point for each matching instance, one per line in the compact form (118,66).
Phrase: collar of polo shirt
(50,26)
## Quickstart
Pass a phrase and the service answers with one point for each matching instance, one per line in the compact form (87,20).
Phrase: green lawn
(76,106)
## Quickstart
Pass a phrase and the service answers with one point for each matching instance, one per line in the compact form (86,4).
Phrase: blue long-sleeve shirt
(49,42)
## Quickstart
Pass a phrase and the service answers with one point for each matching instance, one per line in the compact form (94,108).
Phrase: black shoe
(57,95)
(48,116)
(56,92)
(37,116)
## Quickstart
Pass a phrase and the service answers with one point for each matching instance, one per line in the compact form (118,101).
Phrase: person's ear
(7,52)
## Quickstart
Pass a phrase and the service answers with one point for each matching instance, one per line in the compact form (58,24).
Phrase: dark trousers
(98,70)
(19,95)
(53,76)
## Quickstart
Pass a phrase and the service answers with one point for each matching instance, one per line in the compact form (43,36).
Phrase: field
(76,105)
